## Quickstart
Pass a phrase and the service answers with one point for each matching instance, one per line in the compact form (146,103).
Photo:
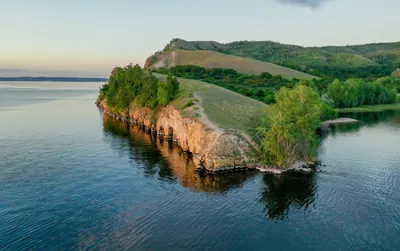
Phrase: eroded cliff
(212,148)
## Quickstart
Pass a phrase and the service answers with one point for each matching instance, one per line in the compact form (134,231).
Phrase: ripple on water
(72,179)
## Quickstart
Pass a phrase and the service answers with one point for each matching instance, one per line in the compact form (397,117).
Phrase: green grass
(372,108)
(229,110)
(212,59)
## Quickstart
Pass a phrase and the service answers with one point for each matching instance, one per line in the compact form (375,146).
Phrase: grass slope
(324,59)
(213,59)
(224,108)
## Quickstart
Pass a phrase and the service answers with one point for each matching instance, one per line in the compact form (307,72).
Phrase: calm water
(71,179)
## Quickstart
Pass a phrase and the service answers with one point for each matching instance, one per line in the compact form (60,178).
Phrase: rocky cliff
(211,147)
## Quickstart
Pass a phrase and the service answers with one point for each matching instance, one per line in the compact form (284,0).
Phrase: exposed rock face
(148,62)
(162,60)
(214,150)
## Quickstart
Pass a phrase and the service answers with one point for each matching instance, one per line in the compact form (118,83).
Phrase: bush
(188,103)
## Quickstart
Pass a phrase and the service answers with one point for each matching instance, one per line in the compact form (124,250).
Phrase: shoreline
(371,108)
(299,166)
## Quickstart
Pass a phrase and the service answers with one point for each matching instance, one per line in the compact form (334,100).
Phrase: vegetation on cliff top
(289,129)
(133,84)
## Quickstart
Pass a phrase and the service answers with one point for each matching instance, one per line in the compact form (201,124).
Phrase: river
(73,179)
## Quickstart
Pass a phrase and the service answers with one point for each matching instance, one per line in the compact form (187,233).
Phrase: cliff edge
(212,147)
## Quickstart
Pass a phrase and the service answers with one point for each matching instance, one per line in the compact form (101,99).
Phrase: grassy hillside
(229,110)
(369,60)
(213,59)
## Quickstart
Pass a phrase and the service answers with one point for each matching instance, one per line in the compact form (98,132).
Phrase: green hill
(213,59)
(368,60)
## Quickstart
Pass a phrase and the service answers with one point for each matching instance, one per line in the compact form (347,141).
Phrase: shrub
(188,103)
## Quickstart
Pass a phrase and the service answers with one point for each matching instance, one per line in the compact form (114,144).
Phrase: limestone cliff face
(148,62)
(162,60)
(213,149)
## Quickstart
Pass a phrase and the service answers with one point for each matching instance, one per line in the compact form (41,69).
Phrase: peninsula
(233,110)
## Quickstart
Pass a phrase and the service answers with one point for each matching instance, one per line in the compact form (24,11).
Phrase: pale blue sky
(91,37)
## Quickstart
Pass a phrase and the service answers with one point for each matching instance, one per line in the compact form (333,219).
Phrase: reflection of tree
(366,119)
(372,118)
(166,160)
(345,128)
(396,119)
(286,190)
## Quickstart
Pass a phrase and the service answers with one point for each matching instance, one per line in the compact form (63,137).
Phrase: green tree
(172,85)
(289,130)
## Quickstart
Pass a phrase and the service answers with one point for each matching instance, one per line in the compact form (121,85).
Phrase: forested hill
(365,61)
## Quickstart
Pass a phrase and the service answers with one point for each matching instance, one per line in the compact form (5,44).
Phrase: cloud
(306,3)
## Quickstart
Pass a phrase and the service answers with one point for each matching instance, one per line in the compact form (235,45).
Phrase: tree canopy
(356,92)
(289,129)
(133,84)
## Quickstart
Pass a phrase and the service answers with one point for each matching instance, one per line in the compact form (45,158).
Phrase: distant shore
(53,79)
(372,108)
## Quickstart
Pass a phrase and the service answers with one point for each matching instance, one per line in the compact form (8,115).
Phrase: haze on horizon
(88,38)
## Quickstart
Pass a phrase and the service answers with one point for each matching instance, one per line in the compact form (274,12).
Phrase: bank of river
(73,179)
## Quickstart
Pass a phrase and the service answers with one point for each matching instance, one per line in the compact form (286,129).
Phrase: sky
(90,37)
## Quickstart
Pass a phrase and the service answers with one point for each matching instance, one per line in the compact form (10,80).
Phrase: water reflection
(290,190)
(164,160)
(366,119)
(372,118)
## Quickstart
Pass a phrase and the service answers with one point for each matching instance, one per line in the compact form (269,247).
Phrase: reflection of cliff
(287,190)
(213,148)
(167,160)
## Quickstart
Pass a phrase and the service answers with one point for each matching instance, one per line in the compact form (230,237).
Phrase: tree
(172,85)
(289,130)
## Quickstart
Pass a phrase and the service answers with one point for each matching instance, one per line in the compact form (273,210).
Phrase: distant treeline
(53,79)
(356,92)
(341,62)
